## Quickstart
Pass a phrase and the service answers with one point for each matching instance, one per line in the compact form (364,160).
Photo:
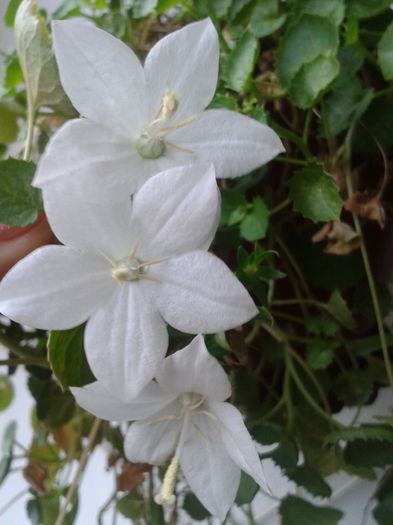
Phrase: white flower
(139,121)
(184,417)
(128,270)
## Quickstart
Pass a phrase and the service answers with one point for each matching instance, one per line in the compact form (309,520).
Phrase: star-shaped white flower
(139,121)
(183,416)
(128,269)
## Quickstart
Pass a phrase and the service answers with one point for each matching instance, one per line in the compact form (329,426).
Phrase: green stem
(306,129)
(12,501)
(30,131)
(280,206)
(20,351)
(26,362)
(291,160)
(287,394)
(366,262)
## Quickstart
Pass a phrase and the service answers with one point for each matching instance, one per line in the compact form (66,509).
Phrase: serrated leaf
(312,79)
(20,203)
(311,480)
(194,507)
(67,358)
(338,308)
(363,432)
(315,195)
(247,490)
(385,52)
(254,224)
(296,511)
(333,10)
(310,37)
(6,392)
(241,62)
(367,8)
(286,454)
(369,454)
(233,207)
(265,18)
(141,8)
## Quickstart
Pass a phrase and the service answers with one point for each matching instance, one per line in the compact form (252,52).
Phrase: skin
(17,242)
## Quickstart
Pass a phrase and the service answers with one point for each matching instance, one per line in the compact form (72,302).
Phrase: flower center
(151,144)
(127,269)
(191,401)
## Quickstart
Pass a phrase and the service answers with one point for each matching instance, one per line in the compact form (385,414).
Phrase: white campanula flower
(141,120)
(184,417)
(128,270)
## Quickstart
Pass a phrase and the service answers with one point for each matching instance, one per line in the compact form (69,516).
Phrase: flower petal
(199,294)
(55,288)
(238,442)
(104,229)
(178,62)
(102,76)
(103,404)
(125,342)
(91,160)
(186,206)
(193,369)
(153,440)
(207,467)
(236,144)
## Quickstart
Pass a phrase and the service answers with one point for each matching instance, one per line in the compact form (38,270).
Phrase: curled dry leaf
(364,205)
(35,473)
(131,475)
(342,239)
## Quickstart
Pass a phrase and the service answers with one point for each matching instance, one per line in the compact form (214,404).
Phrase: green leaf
(320,352)
(141,8)
(9,126)
(296,511)
(363,432)
(303,42)
(311,480)
(131,506)
(312,79)
(265,18)
(220,7)
(10,12)
(314,194)
(33,510)
(13,75)
(367,8)
(164,5)
(254,224)
(6,392)
(369,454)
(385,52)
(286,454)
(247,490)
(67,357)
(383,512)
(333,10)
(347,102)
(241,62)
(20,203)
(339,310)
(53,407)
(233,207)
(7,445)
(194,507)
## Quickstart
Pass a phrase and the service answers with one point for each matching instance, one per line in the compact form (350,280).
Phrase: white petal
(207,467)
(193,369)
(153,440)
(125,342)
(199,294)
(105,229)
(236,144)
(102,76)
(103,404)
(91,160)
(55,288)
(177,211)
(185,62)
(238,442)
